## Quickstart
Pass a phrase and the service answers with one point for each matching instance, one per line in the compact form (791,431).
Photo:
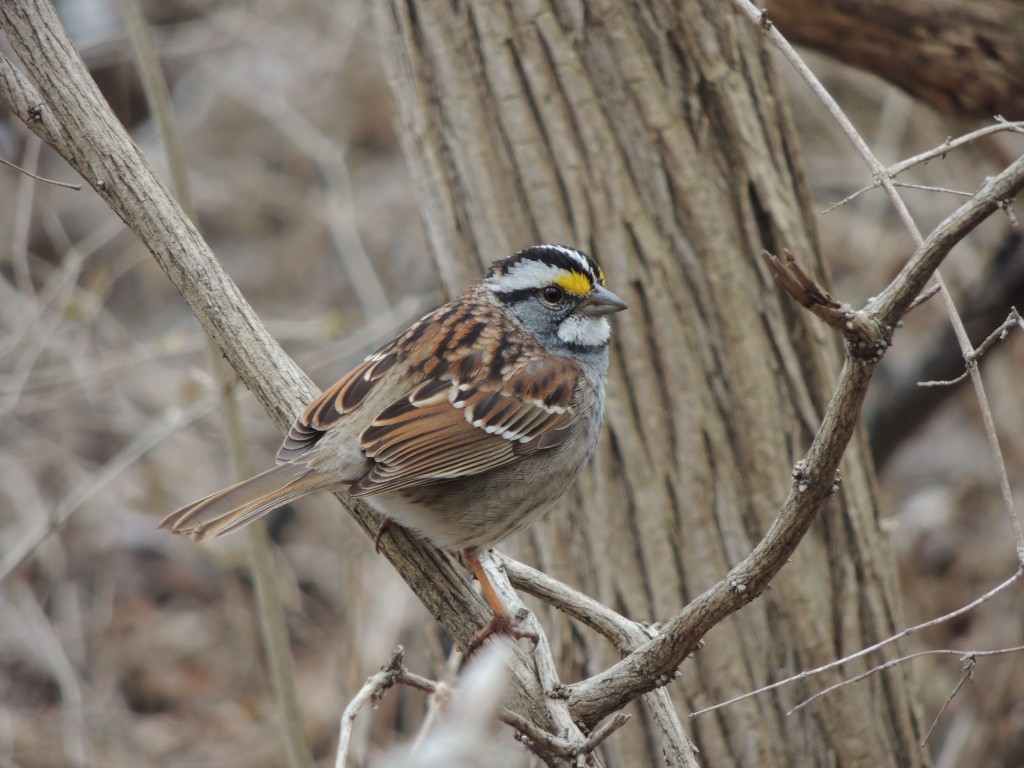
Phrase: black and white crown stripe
(540,265)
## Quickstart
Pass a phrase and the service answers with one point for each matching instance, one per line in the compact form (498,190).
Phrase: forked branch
(814,477)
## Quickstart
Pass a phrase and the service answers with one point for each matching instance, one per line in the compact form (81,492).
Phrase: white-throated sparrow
(467,427)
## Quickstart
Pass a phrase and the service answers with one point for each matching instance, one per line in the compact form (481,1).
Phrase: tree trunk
(656,137)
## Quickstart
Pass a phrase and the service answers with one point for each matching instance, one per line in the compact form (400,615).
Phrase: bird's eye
(552,294)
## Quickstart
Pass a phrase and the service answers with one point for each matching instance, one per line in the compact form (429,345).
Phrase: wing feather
(468,431)
(477,395)
(327,410)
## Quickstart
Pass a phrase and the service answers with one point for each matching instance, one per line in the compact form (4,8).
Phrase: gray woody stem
(68,112)
(60,102)
(868,334)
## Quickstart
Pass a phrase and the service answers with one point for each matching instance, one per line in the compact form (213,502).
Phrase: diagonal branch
(883,178)
(814,477)
(59,101)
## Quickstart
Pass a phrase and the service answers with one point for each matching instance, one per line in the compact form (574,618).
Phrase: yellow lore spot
(575,283)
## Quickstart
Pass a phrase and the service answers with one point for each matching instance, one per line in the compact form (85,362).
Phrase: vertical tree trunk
(655,136)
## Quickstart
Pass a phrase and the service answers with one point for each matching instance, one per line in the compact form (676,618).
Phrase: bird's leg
(385,523)
(500,623)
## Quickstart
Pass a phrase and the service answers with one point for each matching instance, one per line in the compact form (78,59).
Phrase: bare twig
(858,328)
(546,743)
(371,692)
(870,649)
(273,626)
(59,101)
(173,420)
(54,182)
(625,635)
(922,297)
(999,334)
(929,188)
(459,721)
(969,662)
(945,382)
(760,19)
(969,658)
(1000,126)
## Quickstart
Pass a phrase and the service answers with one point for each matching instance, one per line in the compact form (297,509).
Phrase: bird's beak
(600,302)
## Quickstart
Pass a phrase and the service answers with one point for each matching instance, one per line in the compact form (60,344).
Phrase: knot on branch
(866,338)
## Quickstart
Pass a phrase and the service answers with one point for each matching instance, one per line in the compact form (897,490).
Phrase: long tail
(239,505)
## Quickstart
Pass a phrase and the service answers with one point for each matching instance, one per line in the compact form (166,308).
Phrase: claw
(500,624)
(385,523)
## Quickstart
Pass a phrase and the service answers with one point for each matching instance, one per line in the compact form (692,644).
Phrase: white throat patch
(585,331)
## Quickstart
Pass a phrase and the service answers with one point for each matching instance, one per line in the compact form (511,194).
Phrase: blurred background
(122,645)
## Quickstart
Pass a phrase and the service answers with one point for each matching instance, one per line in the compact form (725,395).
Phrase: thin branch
(59,101)
(539,738)
(945,382)
(625,635)
(949,144)
(546,743)
(273,625)
(968,655)
(858,328)
(970,661)
(54,182)
(928,188)
(1000,126)
(173,420)
(922,297)
(814,476)
(881,176)
(373,690)
(870,649)
(999,334)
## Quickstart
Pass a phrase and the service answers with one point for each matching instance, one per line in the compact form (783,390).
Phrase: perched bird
(464,429)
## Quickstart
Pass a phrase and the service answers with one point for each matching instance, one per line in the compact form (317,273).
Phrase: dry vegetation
(121,645)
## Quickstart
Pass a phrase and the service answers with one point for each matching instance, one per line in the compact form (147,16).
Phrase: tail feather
(234,507)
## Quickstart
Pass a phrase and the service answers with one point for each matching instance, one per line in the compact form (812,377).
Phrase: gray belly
(480,511)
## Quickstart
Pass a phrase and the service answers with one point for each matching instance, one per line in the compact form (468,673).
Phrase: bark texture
(655,137)
(964,59)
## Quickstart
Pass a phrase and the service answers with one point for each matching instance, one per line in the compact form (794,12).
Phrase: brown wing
(339,400)
(362,384)
(462,391)
(446,428)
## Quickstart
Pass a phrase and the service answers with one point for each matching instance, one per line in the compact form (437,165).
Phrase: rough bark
(655,136)
(964,59)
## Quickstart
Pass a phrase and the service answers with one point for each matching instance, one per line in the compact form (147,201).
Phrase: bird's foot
(500,624)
